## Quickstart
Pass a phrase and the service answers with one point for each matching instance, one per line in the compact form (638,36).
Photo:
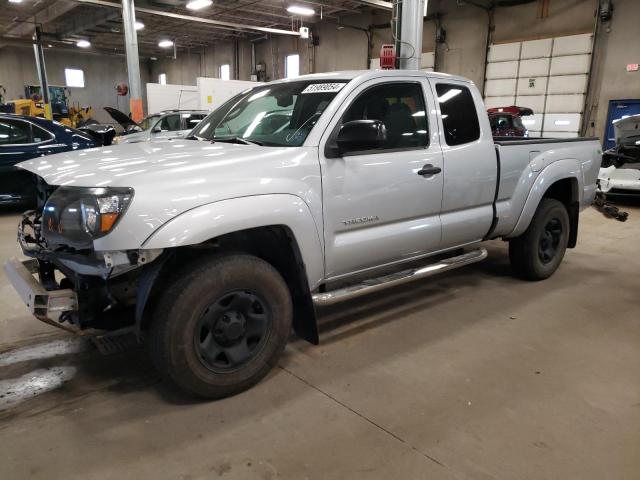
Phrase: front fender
(559,170)
(226,216)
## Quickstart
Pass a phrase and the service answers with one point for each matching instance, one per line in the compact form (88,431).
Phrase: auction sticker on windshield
(323,87)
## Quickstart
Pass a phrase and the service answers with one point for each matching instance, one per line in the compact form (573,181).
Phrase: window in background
(162,79)
(225,72)
(74,77)
(292,66)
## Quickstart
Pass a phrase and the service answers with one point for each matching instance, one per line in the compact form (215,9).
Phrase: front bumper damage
(83,292)
(43,304)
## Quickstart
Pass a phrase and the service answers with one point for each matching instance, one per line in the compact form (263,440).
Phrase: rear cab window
(458,113)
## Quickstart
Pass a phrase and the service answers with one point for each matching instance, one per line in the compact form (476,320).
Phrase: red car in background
(506,121)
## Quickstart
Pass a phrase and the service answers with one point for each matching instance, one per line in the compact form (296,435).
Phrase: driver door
(377,208)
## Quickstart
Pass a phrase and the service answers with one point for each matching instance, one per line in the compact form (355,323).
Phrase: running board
(380,283)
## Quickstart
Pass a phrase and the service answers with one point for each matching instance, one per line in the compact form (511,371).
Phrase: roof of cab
(364,75)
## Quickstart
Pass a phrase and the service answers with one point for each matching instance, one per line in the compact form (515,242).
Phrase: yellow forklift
(32,105)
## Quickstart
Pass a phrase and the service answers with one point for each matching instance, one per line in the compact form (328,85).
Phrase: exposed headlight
(75,216)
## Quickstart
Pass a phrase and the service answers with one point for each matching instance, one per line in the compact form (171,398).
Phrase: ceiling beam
(189,18)
(46,15)
(377,4)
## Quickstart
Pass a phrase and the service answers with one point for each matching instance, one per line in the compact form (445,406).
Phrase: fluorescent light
(139,25)
(199,4)
(299,10)
(15,1)
(165,43)
(83,43)
(528,122)
(449,95)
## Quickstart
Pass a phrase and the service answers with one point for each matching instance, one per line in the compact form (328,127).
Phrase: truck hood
(120,117)
(173,177)
(141,164)
(627,130)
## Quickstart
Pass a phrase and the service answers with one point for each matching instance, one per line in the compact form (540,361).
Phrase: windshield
(148,122)
(274,115)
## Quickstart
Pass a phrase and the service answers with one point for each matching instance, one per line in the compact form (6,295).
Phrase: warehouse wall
(205,62)
(102,73)
(618,44)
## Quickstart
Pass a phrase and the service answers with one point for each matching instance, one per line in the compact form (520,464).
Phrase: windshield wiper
(241,141)
(192,137)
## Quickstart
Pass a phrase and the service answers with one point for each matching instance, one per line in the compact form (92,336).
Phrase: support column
(42,73)
(411,18)
(133,62)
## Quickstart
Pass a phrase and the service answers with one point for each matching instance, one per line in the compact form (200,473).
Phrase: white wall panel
(559,84)
(561,134)
(495,102)
(169,97)
(561,122)
(535,134)
(535,67)
(504,52)
(534,102)
(500,88)
(532,86)
(536,48)
(427,60)
(565,103)
(533,122)
(570,65)
(502,70)
(374,64)
(572,45)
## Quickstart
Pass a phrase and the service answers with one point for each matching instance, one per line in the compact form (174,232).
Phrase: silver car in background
(163,125)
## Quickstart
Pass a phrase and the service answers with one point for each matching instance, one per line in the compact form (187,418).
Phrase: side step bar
(380,283)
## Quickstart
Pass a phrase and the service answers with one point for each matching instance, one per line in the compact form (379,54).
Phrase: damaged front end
(65,282)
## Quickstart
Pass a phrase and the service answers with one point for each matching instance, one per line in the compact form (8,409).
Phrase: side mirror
(361,135)
(156,129)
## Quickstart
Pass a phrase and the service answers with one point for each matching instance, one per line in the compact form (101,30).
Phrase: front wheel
(221,326)
(537,253)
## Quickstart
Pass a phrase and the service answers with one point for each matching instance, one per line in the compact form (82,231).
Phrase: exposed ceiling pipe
(177,16)
(377,3)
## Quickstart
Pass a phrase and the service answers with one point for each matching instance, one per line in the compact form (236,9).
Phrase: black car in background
(22,138)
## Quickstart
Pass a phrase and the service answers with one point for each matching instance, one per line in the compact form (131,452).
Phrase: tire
(538,252)
(221,325)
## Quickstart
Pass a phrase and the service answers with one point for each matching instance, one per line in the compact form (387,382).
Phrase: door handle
(429,169)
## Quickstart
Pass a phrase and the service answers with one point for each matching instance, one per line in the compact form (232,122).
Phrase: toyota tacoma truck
(292,195)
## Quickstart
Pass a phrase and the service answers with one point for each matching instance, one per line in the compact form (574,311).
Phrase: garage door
(550,76)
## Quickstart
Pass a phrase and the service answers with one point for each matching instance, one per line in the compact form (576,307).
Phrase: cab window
(400,107)
(459,116)
(170,123)
(191,120)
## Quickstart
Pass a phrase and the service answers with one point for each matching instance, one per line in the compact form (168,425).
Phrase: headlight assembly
(75,216)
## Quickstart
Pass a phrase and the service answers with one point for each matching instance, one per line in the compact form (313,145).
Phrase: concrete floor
(472,375)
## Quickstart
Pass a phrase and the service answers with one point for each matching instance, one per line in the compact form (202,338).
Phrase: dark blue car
(22,138)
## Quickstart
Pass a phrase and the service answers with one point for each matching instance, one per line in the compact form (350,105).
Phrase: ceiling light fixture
(15,1)
(83,43)
(139,25)
(165,43)
(299,10)
(199,4)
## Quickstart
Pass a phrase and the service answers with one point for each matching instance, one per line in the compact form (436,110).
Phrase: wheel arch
(293,248)
(562,180)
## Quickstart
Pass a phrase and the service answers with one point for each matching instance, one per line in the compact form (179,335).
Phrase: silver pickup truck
(292,195)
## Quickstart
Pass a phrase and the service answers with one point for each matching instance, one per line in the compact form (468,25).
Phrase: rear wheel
(222,326)
(538,252)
